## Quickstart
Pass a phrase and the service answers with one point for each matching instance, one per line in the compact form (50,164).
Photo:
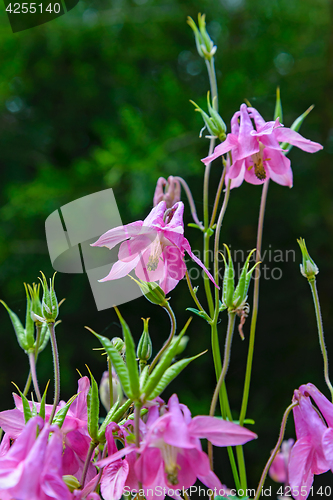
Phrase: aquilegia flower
(256,153)
(155,247)
(313,451)
(168,191)
(170,451)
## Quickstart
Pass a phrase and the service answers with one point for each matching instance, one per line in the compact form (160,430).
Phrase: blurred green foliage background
(99,98)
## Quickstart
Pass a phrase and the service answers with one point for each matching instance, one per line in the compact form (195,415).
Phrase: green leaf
(122,410)
(117,362)
(26,407)
(144,376)
(192,224)
(163,365)
(132,365)
(172,373)
(228,280)
(18,327)
(278,106)
(29,323)
(59,417)
(107,420)
(296,126)
(202,314)
(42,403)
(93,408)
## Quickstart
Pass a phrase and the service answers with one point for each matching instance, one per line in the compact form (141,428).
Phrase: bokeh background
(99,98)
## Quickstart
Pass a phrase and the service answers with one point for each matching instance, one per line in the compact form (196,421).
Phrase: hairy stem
(110,382)
(34,375)
(217,197)
(190,200)
(172,333)
(56,370)
(316,302)
(91,450)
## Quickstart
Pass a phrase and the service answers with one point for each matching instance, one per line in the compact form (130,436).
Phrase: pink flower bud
(168,191)
(279,468)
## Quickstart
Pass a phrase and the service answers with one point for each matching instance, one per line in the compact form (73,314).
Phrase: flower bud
(205,46)
(168,191)
(104,389)
(152,292)
(71,482)
(119,344)
(213,122)
(145,347)
(279,468)
(50,306)
(308,267)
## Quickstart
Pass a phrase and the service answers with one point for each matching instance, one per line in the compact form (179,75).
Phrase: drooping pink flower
(155,247)
(170,451)
(74,429)
(307,456)
(168,191)
(256,152)
(279,468)
(32,467)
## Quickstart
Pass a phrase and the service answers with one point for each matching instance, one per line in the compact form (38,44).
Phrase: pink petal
(258,119)
(5,445)
(299,465)
(176,223)
(248,145)
(237,181)
(235,123)
(115,456)
(146,467)
(78,442)
(55,488)
(250,176)
(114,236)
(267,129)
(235,169)
(186,476)
(132,248)
(113,480)
(121,269)
(230,142)
(324,405)
(327,442)
(155,216)
(277,161)
(296,139)
(12,422)
(211,481)
(220,432)
(187,247)
(70,463)
(142,271)
(79,406)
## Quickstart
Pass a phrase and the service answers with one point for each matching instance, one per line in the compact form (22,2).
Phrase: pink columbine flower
(74,429)
(279,468)
(256,153)
(155,247)
(32,468)
(312,452)
(170,450)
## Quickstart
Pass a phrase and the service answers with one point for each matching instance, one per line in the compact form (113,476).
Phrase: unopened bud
(205,45)
(50,306)
(168,191)
(213,122)
(104,390)
(119,344)
(71,482)
(152,292)
(145,347)
(308,267)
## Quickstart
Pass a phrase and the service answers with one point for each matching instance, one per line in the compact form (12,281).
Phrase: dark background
(99,98)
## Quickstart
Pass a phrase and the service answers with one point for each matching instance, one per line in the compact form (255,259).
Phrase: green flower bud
(152,292)
(308,268)
(214,123)
(205,46)
(104,390)
(71,482)
(145,347)
(50,306)
(119,344)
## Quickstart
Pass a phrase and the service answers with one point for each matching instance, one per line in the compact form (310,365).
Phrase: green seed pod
(145,347)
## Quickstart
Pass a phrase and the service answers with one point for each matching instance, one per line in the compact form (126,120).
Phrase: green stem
(137,409)
(29,379)
(217,197)
(172,333)
(91,450)
(315,296)
(193,294)
(27,384)
(246,390)
(212,81)
(56,371)
(275,450)
(34,375)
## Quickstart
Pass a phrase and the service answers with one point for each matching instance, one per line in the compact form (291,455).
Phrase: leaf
(26,407)
(29,323)
(117,362)
(42,403)
(122,410)
(202,314)
(60,416)
(278,106)
(18,327)
(107,420)
(93,408)
(296,126)
(131,363)
(144,376)
(172,373)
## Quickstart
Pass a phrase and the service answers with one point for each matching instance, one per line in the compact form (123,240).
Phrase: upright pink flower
(307,456)
(256,153)
(155,247)
(32,467)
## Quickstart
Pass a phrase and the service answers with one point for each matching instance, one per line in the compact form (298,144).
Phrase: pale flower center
(169,454)
(155,254)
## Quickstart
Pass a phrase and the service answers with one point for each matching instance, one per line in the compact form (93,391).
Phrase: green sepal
(44,337)
(131,363)
(278,106)
(107,420)
(243,282)
(93,408)
(26,407)
(60,416)
(42,403)
(172,373)
(144,376)
(163,365)
(296,126)
(222,307)
(193,224)
(117,361)
(228,280)
(202,314)
(29,323)
(18,327)
(122,410)
(143,412)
